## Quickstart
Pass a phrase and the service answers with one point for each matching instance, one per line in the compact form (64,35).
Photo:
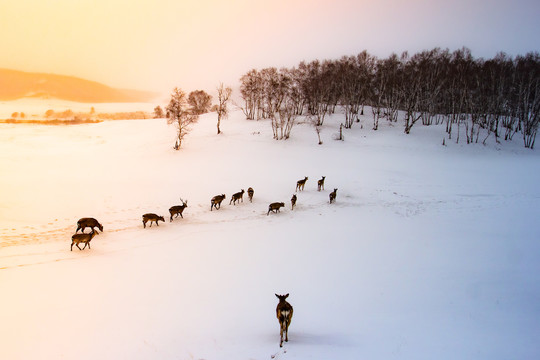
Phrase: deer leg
(77,245)
(71,247)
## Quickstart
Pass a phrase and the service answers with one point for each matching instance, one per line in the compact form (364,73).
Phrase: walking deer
(216,201)
(76,239)
(274,207)
(320,184)
(293,201)
(88,222)
(152,218)
(301,183)
(237,197)
(284,312)
(178,209)
(333,196)
(250,194)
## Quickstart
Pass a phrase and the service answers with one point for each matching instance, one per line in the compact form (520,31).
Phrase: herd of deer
(284,310)
(177,210)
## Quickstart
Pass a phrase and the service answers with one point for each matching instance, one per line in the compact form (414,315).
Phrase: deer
(301,183)
(333,196)
(237,197)
(76,239)
(152,218)
(274,207)
(293,201)
(216,201)
(284,312)
(320,184)
(250,194)
(92,223)
(178,209)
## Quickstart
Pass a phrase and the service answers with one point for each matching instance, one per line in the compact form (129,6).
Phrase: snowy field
(429,252)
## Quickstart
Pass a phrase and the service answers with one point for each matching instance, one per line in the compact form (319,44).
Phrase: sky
(157,45)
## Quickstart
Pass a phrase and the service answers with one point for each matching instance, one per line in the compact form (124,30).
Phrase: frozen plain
(430,251)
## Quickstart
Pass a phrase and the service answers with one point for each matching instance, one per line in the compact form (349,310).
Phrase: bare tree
(528,96)
(180,115)
(287,119)
(224,93)
(158,112)
(389,68)
(355,84)
(378,90)
(199,101)
(251,92)
(410,86)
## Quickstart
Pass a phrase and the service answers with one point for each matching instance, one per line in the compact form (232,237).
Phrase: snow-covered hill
(430,251)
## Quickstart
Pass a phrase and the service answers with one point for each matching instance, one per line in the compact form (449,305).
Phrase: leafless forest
(500,96)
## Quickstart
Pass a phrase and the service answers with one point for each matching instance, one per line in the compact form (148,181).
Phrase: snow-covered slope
(430,251)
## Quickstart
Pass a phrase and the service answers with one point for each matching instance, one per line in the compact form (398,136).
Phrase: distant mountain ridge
(19,84)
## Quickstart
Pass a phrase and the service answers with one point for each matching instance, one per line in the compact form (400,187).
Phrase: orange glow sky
(158,44)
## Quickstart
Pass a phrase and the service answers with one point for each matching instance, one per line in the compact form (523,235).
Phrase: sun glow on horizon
(157,45)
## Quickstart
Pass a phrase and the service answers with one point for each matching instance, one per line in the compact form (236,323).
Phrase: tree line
(500,96)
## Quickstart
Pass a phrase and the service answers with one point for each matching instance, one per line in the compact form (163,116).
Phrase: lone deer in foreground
(216,201)
(76,239)
(178,209)
(274,207)
(88,222)
(320,184)
(284,312)
(152,218)
(333,196)
(237,197)
(293,201)
(301,183)
(250,194)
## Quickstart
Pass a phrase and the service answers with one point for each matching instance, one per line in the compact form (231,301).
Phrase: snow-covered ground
(430,251)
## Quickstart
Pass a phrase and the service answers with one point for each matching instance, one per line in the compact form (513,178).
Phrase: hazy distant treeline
(70,117)
(499,95)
